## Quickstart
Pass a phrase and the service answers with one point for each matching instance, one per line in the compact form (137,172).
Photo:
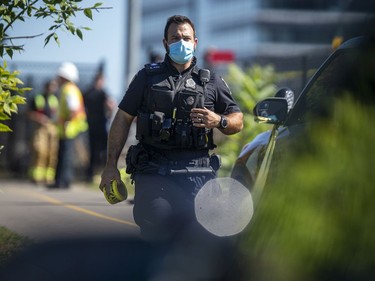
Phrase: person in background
(45,139)
(71,122)
(99,110)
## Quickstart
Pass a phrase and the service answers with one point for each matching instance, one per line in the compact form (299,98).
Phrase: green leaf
(79,33)
(29,10)
(71,28)
(46,40)
(88,13)
(26,89)
(5,128)
(3,116)
(18,81)
(18,99)
(6,109)
(13,108)
(9,52)
(7,19)
(56,39)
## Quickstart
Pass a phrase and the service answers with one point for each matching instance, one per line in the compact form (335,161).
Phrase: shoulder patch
(154,67)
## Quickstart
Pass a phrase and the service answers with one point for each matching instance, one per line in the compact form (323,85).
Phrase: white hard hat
(68,71)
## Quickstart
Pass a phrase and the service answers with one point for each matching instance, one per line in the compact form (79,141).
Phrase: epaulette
(153,68)
(195,70)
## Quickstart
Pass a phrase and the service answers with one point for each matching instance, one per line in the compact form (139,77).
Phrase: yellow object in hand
(118,192)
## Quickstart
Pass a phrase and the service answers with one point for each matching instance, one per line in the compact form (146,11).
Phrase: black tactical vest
(164,120)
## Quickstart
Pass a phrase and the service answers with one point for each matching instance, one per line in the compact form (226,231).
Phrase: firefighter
(45,140)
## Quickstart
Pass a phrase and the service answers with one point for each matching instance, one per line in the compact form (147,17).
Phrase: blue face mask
(181,52)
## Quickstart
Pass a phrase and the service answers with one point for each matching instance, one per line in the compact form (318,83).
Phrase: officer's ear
(165,43)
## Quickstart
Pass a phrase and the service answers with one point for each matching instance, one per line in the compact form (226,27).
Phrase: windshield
(348,72)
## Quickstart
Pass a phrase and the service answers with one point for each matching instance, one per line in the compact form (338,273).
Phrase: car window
(338,77)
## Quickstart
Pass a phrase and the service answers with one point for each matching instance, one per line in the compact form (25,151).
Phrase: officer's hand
(204,118)
(109,174)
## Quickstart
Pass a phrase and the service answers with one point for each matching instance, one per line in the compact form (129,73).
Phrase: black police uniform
(172,161)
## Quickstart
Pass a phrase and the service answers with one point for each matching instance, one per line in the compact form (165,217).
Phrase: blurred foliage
(316,219)
(248,87)
(10,244)
(12,11)
(9,82)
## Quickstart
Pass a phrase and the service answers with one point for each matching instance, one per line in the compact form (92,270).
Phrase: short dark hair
(178,19)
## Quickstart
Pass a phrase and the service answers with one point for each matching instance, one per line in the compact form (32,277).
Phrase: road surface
(43,214)
(79,236)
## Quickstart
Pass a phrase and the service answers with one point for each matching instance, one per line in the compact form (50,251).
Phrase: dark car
(349,69)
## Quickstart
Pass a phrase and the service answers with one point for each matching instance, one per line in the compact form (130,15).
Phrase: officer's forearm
(118,135)
(235,123)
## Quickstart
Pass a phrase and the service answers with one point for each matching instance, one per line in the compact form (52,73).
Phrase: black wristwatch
(223,122)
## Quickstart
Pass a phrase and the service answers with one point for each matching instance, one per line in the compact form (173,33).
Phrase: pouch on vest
(161,127)
(183,134)
(200,138)
(143,126)
(161,100)
(186,101)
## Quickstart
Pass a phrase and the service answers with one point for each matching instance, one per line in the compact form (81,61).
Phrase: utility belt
(138,159)
(159,131)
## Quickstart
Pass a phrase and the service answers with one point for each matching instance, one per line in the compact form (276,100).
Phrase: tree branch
(23,37)
(18,15)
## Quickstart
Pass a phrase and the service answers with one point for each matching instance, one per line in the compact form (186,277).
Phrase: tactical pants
(164,210)
(164,205)
(45,144)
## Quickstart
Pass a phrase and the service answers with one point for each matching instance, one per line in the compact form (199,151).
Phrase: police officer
(177,106)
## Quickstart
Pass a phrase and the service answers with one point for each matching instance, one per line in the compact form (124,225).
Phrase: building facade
(286,33)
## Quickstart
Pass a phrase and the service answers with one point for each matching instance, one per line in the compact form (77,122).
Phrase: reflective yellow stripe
(40,102)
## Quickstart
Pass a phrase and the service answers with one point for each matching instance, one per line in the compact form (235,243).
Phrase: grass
(10,244)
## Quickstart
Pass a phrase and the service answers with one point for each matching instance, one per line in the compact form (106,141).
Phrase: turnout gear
(44,139)
(164,120)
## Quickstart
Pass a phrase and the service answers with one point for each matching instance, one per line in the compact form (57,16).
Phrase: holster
(135,155)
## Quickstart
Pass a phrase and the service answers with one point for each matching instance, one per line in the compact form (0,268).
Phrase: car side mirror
(271,110)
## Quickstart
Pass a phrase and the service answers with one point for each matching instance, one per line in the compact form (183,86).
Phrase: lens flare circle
(224,206)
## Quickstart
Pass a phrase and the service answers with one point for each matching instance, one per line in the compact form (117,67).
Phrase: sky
(104,42)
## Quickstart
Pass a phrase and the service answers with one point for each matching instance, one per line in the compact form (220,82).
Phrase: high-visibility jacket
(40,103)
(71,114)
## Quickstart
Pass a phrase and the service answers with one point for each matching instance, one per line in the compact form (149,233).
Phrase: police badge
(190,83)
